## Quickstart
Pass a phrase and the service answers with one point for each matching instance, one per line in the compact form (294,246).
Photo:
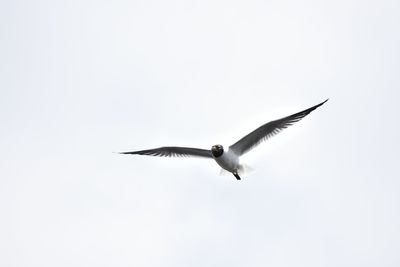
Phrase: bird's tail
(245,169)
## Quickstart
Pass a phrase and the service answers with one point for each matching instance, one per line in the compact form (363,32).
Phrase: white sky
(80,79)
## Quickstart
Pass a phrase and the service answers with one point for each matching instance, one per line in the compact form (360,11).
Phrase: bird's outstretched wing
(173,151)
(267,130)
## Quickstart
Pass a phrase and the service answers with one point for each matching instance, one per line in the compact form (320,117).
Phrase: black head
(217,151)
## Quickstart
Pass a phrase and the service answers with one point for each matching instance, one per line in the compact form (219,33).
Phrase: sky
(80,80)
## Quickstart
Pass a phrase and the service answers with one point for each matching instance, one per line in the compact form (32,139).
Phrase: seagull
(229,159)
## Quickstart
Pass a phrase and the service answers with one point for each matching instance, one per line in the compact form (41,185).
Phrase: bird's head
(217,150)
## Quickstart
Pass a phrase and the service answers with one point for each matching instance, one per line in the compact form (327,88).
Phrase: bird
(229,160)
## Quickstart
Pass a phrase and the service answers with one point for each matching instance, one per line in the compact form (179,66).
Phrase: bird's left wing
(267,130)
(173,151)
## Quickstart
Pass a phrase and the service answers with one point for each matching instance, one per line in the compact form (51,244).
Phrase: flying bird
(229,159)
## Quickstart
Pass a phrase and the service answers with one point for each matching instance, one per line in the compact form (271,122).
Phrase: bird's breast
(228,161)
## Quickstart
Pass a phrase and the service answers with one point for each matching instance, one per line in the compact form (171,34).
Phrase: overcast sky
(81,79)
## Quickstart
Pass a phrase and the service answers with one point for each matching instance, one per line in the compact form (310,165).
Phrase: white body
(229,161)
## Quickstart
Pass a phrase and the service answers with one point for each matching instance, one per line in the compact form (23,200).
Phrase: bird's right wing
(173,151)
(267,130)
